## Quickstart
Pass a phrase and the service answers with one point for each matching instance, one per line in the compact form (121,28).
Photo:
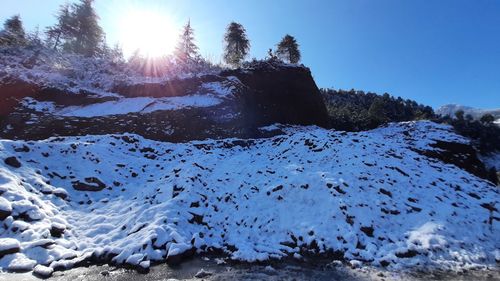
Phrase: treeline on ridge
(357,111)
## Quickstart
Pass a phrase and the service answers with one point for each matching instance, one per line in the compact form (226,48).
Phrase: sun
(151,33)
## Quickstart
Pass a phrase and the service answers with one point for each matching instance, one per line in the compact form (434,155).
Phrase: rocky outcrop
(461,155)
(12,161)
(280,94)
(11,91)
(171,88)
(261,95)
(91,184)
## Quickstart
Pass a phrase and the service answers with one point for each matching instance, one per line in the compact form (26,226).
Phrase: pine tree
(288,49)
(377,111)
(13,33)
(64,29)
(237,44)
(487,119)
(78,29)
(88,33)
(186,48)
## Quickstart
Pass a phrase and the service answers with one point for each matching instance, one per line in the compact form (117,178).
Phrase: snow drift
(369,197)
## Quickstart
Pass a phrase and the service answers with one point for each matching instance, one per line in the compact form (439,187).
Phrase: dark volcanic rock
(176,259)
(12,161)
(91,184)
(171,88)
(280,94)
(11,248)
(11,91)
(461,155)
(57,230)
(264,95)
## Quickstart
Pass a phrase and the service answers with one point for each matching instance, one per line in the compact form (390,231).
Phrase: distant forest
(357,111)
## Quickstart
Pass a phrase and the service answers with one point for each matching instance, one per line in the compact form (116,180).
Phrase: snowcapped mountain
(379,197)
(476,113)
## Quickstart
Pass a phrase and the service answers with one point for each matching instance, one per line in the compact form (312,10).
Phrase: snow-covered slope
(368,196)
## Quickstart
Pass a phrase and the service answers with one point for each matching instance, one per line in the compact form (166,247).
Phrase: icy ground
(369,196)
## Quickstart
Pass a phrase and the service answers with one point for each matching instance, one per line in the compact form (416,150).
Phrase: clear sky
(433,51)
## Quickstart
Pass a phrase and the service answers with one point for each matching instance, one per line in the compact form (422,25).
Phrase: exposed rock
(57,229)
(203,273)
(92,184)
(461,155)
(177,258)
(272,93)
(171,88)
(279,94)
(12,91)
(61,193)
(12,161)
(5,208)
(9,246)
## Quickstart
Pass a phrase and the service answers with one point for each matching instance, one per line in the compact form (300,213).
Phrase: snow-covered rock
(43,271)
(9,246)
(5,208)
(371,197)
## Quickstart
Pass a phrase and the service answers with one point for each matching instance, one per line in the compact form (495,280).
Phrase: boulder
(5,208)
(9,246)
(42,271)
(91,184)
(12,161)
(57,229)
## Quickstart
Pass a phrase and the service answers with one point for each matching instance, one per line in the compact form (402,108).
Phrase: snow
(5,205)
(491,160)
(368,194)
(476,113)
(139,105)
(19,262)
(210,94)
(43,271)
(7,244)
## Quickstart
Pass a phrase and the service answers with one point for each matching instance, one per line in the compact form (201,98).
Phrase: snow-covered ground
(370,195)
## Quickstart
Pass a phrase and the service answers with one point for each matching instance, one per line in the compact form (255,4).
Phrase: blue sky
(435,52)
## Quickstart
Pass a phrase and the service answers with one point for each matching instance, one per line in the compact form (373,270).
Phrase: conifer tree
(288,49)
(13,33)
(64,29)
(237,45)
(186,49)
(78,29)
(377,111)
(88,33)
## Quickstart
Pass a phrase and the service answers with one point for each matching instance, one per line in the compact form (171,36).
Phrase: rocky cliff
(227,104)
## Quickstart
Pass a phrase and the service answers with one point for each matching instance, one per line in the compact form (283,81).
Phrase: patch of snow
(476,113)
(5,206)
(7,244)
(128,105)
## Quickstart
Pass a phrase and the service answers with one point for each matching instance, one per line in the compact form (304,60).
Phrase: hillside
(74,96)
(377,197)
(117,167)
(476,113)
